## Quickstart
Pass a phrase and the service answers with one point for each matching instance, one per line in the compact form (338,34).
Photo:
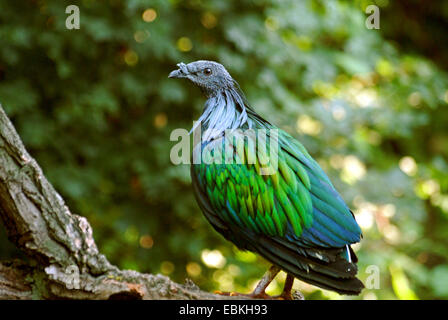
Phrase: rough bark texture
(64,260)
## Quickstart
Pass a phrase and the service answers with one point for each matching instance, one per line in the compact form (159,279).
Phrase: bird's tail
(333,269)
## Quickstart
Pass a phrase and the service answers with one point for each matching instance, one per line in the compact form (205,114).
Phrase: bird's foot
(253,295)
(259,292)
(284,296)
(291,295)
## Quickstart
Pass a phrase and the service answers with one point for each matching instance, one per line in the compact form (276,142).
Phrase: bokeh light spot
(234,270)
(149,15)
(353,169)
(193,269)
(408,165)
(140,36)
(184,44)
(209,20)
(160,120)
(146,241)
(365,98)
(131,234)
(414,99)
(308,125)
(213,258)
(385,68)
(364,215)
(389,210)
(167,267)
(391,234)
(131,58)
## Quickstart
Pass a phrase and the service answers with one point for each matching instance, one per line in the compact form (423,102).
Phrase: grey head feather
(210,76)
(225,107)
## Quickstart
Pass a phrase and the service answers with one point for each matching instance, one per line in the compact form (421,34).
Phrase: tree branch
(64,260)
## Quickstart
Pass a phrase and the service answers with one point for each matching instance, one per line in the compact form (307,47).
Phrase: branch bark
(64,260)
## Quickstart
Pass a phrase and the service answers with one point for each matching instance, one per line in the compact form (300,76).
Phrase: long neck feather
(224,110)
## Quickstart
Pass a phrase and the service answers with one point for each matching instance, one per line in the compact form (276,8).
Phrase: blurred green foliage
(95,108)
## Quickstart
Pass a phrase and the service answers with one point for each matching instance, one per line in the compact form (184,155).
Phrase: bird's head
(210,76)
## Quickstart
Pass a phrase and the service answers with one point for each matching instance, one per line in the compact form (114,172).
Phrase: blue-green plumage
(293,217)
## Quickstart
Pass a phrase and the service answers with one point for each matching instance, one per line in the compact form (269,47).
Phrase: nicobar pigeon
(293,217)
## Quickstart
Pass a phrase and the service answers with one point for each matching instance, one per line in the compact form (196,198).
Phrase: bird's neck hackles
(224,110)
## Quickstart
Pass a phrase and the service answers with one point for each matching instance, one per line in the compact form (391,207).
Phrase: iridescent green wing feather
(270,204)
(297,201)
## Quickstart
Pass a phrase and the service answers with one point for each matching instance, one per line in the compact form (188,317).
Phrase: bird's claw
(284,296)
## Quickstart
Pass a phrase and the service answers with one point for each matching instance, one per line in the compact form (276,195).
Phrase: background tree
(95,108)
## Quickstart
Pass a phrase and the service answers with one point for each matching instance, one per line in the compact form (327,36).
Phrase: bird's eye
(207,71)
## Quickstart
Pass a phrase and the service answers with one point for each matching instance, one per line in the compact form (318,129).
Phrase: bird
(265,193)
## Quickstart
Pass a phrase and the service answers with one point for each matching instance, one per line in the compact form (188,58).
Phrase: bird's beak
(177,74)
(182,72)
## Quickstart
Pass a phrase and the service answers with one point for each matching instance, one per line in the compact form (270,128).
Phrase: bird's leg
(259,291)
(287,289)
(287,293)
